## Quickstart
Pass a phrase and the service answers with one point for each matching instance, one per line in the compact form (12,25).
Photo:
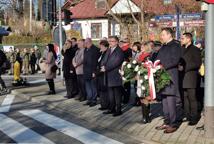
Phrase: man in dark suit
(189,66)
(112,63)
(91,55)
(169,56)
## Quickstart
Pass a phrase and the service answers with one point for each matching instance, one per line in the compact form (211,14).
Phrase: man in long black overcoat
(189,67)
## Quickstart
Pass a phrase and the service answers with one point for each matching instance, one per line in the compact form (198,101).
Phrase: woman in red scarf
(146,50)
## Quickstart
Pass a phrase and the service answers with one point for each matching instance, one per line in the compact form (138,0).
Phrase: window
(100,4)
(96,30)
(167,2)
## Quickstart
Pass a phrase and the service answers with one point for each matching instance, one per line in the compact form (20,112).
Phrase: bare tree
(148,9)
(15,5)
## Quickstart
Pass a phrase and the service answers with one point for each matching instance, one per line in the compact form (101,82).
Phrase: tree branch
(133,16)
(112,14)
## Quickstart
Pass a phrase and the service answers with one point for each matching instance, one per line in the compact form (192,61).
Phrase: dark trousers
(69,86)
(126,91)
(114,98)
(190,104)
(170,110)
(104,101)
(2,82)
(51,85)
(33,68)
(81,85)
(91,90)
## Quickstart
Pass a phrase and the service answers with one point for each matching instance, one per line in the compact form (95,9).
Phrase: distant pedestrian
(26,60)
(12,58)
(33,61)
(38,57)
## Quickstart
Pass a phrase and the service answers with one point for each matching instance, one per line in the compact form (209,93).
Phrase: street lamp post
(178,22)
(30,23)
(209,73)
(60,38)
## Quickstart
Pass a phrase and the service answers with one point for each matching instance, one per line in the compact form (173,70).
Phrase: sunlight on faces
(102,48)
(112,42)
(165,36)
(134,48)
(68,44)
(88,42)
(142,48)
(185,40)
(80,44)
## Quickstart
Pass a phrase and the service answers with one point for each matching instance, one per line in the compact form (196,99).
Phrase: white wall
(86,27)
(122,6)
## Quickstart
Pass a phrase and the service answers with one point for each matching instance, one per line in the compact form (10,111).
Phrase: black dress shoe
(192,123)
(51,93)
(92,104)
(101,108)
(87,103)
(82,99)
(108,112)
(117,114)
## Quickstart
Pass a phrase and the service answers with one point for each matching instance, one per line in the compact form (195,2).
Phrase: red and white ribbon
(152,67)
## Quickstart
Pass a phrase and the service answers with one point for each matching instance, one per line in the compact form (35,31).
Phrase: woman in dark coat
(101,77)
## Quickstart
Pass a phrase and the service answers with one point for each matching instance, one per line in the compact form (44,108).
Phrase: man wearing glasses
(111,65)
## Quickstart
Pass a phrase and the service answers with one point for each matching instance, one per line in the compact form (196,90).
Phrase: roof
(87,9)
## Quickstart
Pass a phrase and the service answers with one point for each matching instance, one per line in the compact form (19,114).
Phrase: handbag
(54,68)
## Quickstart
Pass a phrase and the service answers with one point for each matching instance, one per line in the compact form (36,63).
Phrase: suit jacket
(91,56)
(191,61)
(78,61)
(169,56)
(68,68)
(112,62)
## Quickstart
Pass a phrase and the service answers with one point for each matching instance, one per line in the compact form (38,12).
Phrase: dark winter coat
(90,62)
(191,61)
(169,56)
(68,68)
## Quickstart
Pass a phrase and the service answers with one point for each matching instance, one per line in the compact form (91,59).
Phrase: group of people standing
(92,72)
(28,59)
